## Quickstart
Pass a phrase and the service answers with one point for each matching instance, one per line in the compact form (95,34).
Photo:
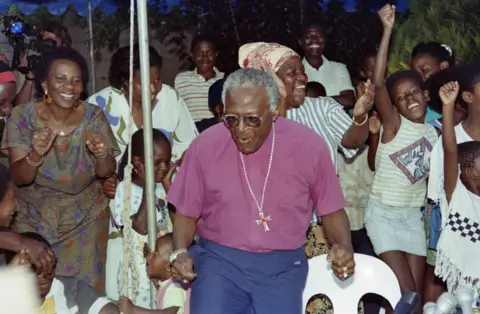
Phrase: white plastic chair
(371,276)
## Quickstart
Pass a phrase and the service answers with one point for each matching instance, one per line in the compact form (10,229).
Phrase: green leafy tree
(454,23)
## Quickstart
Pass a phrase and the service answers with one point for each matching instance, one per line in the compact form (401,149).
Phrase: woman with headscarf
(323,114)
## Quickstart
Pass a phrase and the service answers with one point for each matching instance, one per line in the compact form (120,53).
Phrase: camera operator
(53,31)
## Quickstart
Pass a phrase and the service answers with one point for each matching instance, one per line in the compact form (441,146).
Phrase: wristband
(175,254)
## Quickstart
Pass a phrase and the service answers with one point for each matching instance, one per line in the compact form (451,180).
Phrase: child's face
(162,156)
(158,264)
(44,284)
(367,67)
(8,207)
(410,99)
(426,65)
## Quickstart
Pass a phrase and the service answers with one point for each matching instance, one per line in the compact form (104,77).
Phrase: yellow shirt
(48,306)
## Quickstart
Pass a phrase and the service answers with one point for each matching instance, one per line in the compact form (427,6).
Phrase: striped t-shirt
(403,166)
(328,118)
(193,89)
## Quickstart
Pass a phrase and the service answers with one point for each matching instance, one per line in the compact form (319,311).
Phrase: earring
(47,99)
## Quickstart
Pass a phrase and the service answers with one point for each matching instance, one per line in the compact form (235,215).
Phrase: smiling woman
(58,148)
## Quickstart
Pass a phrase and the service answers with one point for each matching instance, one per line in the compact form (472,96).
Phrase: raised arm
(375,125)
(448,95)
(389,117)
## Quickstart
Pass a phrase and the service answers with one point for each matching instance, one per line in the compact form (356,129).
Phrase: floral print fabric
(65,203)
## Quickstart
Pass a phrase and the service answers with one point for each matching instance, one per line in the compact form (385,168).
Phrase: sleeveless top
(403,165)
(162,291)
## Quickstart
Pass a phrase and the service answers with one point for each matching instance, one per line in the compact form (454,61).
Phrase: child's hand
(374,123)
(21,259)
(360,89)
(126,305)
(387,16)
(140,172)
(448,94)
(146,250)
(110,186)
(167,180)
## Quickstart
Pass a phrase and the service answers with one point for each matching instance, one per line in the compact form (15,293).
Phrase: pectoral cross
(263,220)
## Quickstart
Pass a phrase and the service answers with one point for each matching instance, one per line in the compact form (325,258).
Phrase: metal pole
(92,50)
(142,20)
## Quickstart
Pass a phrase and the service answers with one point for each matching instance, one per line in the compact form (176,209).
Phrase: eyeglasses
(232,120)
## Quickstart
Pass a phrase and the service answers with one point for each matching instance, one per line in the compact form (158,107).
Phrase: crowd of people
(255,172)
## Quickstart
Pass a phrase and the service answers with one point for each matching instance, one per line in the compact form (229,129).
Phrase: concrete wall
(171,63)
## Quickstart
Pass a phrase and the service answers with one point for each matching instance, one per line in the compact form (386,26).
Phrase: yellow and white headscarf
(268,57)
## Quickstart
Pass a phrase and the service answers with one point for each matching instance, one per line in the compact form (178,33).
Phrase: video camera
(24,40)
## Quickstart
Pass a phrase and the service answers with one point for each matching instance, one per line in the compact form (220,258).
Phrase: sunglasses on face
(233,120)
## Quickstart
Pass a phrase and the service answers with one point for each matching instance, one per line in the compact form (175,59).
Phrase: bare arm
(355,136)
(449,140)
(372,150)
(109,308)
(389,117)
(10,241)
(105,167)
(141,310)
(140,219)
(337,228)
(346,99)
(183,231)
(22,172)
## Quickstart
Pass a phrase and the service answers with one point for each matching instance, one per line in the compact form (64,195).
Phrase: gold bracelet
(33,163)
(363,122)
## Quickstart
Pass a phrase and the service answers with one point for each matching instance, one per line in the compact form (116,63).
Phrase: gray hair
(250,77)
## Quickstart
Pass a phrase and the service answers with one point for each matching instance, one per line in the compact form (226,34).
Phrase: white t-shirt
(332,75)
(81,297)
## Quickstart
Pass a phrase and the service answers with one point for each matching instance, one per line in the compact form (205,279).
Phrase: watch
(175,254)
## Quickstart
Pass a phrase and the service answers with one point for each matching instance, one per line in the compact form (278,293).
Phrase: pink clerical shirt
(211,186)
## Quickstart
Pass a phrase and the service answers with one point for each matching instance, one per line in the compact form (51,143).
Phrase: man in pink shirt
(247,188)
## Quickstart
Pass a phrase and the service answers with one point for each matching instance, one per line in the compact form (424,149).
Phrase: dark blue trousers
(231,281)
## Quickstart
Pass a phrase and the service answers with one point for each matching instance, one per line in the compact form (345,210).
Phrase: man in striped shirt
(193,85)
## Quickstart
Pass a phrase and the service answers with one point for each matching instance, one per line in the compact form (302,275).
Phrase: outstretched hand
(448,94)
(387,16)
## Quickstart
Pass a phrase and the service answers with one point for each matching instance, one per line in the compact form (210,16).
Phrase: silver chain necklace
(263,220)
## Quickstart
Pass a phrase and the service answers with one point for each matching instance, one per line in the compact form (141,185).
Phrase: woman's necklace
(57,124)
(263,220)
